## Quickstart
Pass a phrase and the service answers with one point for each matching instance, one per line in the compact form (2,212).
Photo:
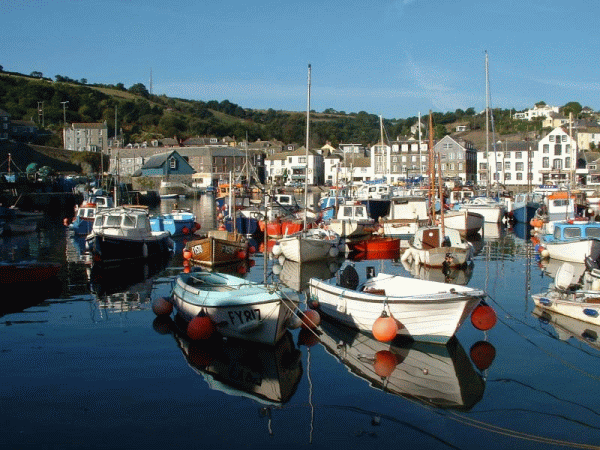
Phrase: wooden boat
(238,308)
(436,246)
(468,223)
(572,241)
(27,271)
(219,247)
(270,376)
(352,221)
(425,310)
(124,233)
(449,381)
(581,302)
(309,245)
(375,244)
(178,222)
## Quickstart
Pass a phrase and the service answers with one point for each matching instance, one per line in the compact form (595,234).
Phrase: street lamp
(64,112)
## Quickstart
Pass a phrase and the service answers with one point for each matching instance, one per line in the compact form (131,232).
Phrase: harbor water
(85,363)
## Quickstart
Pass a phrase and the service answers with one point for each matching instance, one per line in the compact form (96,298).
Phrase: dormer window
(173,163)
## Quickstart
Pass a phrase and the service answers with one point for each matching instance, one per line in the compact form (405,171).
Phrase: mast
(383,154)
(431,172)
(306,149)
(487,131)
(420,166)
(439,158)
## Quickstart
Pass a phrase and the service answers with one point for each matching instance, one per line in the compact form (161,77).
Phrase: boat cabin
(374,191)
(575,230)
(460,195)
(122,222)
(432,237)
(353,212)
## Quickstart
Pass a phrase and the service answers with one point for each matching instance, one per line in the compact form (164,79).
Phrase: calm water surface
(91,367)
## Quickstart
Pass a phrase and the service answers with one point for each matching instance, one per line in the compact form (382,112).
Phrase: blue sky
(390,57)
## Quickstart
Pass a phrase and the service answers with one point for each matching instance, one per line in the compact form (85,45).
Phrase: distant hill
(22,154)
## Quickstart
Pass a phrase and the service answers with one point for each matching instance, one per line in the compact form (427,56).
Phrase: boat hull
(426,315)
(214,251)
(575,251)
(110,249)
(585,310)
(242,310)
(302,248)
(467,223)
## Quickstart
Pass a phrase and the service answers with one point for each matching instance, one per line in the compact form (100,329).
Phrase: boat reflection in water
(436,375)
(296,275)
(393,255)
(568,327)
(454,275)
(550,266)
(264,373)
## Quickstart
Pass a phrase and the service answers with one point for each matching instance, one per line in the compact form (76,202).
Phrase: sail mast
(487,131)
(431,173)
(306,149)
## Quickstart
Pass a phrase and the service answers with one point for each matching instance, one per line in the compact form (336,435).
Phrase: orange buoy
(162,307)
(482,354)
(65,221)
(185,230)
(310,318)
(200,327)
(307,337)
(186,263)
(385,363)
(222,228)
(187,269)
(483,317)
(385,328)
(187,254)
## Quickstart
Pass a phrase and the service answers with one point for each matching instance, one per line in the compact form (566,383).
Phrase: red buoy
(251,249)
(483,317)
(200,327)
(187,269)
(482,354)
(197,227)
(185,230)
(186,263)
(162,307)
(307,337)
(385,363)
(241,254)
(385,328)
(310,319)
(187,254)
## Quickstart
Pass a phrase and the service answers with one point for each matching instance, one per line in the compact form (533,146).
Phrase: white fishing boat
(581,302)
(441,376)
(407,215)
(568,327)
(237,307)
(124,233)
(491,210)
(437,246)
(424,310)
(468,223)
(352,221)
(572,241)
(309,245)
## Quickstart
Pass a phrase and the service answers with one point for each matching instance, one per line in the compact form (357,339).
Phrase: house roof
(88,125)
(157,161)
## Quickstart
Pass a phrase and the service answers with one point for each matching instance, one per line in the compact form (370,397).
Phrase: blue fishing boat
(178,223)
(525,206)
(572,240)
(237,307)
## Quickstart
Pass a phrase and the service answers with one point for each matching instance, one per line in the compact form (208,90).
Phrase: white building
(537,111)
(293,166)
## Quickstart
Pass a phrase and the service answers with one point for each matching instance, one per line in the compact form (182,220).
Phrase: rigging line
(547,352)
(515,434)
(310,391)
(556,397)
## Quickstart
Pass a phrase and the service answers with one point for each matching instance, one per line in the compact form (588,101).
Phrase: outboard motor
(348,278)
(370,272)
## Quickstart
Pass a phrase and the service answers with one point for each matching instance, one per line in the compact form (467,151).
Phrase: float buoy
(385,363)
(200,327)
(310,318)
(385,328)
(482,354)
(483,317)
(162,307)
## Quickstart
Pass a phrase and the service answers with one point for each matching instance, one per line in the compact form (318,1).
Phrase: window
(546,163)
(506,154)
(507,165)
(546,148)
(557,164)
(460,166)
(499,166)
(568,162)
(519,155)
(593,232)
(564,138)
(557,149)
(519,176)
(302,160)
(570,232)
(483,166)
(173,163)
(519,166)
(551,138)
(507,176)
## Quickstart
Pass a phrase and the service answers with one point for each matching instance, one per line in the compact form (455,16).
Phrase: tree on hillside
(572,107)
(541,103)
(139,89)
